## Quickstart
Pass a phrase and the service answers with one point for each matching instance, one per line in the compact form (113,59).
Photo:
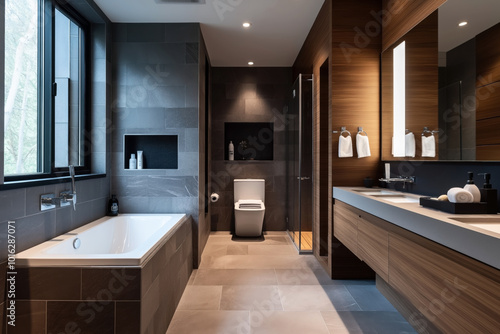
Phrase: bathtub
(124,240)
(133,268)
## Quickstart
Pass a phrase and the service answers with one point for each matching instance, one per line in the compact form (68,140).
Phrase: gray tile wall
(249,95)
(22,205)
(155,89)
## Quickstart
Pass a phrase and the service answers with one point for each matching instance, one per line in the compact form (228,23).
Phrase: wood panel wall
(356,37)
(488,94)
(422,75)
(315,51)
(400,16)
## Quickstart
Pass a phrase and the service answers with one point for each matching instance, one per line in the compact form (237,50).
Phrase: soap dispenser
(488,194)
(472,188)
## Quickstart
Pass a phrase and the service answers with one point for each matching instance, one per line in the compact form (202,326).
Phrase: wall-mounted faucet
(404,179)
(49,201)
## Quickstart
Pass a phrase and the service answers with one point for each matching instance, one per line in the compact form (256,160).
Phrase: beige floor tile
(277,322)
(215,250)
(238,297)
(260,262)
(317,298)
(272,249)
(235,277)
(237,250)
(345,322)
(201,297)
(210,322)
(304,277)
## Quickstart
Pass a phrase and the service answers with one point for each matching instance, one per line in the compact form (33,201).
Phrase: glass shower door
(299,163)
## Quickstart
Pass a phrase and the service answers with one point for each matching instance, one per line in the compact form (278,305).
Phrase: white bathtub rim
(98,260)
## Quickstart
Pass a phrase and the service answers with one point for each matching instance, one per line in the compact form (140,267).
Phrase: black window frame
(46,93)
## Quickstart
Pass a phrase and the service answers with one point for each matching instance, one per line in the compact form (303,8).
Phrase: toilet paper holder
(214,197)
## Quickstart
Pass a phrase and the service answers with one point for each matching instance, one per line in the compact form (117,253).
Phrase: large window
(44,107)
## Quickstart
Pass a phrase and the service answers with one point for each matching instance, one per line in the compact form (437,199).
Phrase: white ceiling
(278,31)
(481,15)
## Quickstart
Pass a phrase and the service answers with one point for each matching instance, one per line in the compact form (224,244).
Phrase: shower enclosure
(299,163)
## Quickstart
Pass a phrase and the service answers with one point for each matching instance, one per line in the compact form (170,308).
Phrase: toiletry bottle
(472,188)
(488,194)
(132,163)
(231,150)
(113,206)
(140,162)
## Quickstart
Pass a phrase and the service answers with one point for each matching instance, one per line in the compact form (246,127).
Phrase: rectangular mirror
(452,84)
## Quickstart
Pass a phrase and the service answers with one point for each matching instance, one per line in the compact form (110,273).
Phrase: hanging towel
(428,146)
(410,145)
(362,146)
(345,147)
(459,195)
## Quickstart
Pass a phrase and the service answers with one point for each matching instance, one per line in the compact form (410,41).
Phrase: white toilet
(249,206)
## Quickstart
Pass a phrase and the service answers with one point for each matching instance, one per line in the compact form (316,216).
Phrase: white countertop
(473,241)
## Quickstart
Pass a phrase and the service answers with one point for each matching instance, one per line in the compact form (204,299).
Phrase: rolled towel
(428,146)
(345,147)
(362,146)
(459,195)
(410,145)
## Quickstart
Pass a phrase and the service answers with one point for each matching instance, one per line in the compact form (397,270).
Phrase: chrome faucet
(72,196)
(49,201)
(404,179)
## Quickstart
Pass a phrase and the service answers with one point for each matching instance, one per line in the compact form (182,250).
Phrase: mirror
(446,92)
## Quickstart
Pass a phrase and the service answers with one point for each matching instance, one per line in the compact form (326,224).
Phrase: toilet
(249,206)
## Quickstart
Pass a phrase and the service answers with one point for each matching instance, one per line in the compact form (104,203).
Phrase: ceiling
(480,15)
(278,31)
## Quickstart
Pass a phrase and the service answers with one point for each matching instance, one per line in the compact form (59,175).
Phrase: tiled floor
(264,286)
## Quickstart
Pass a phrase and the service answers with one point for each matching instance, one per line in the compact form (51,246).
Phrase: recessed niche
(159,151)
(251,140)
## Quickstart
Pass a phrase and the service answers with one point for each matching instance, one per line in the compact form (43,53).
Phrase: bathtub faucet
(72,196)
(50,201)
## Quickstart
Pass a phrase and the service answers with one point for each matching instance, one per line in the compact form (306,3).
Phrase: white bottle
(472,188)
(231,150)
(139,160)
(132,163)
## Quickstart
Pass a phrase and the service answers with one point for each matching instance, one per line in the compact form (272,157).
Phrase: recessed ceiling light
(463,23)
(250,63)
(246,24)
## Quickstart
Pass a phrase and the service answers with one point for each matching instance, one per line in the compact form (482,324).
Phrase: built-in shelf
(159,151)
(253,141)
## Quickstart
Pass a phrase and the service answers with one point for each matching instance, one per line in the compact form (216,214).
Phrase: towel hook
(426,130)
(361,131)
(342,130)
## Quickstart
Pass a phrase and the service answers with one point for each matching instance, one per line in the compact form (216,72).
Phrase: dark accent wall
(22,205)
(248,95)
(157,90)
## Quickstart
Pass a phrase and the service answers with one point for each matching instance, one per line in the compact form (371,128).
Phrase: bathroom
(159,79)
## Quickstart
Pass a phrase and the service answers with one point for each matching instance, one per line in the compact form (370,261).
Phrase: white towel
(459,195)
(410,145)
(362,146)
(345,147)
(428,146)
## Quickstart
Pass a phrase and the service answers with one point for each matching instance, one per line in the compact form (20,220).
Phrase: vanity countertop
(479,240)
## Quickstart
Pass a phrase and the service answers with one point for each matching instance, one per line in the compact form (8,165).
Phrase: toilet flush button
(76,243)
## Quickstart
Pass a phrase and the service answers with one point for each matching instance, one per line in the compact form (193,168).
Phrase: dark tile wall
(248,95)
(156,76)
(22,205)
(117,300)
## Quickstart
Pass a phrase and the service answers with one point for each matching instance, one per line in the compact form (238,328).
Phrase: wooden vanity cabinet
(437,289)
(364,235)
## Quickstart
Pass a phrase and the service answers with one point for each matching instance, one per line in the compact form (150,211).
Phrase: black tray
(460,208)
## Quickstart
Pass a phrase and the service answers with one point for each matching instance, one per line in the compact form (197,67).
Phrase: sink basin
(375,192)
(486,223)
(398,198)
